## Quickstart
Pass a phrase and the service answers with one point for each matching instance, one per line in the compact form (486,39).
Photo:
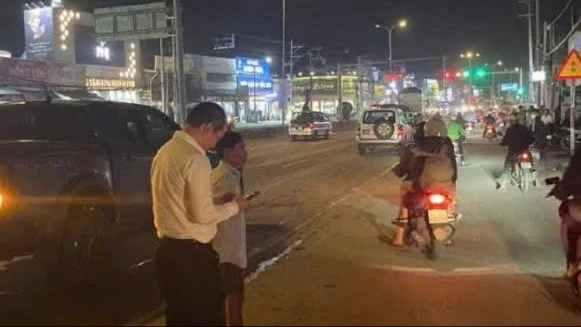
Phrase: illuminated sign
(109,83)
(254,74)
(509,87)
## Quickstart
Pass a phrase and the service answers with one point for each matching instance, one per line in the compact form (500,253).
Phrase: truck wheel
(86,244)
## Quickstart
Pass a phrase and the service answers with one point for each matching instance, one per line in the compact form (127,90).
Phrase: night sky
(436,27)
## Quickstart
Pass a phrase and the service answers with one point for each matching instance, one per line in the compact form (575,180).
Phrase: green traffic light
(481,73)
(466,73)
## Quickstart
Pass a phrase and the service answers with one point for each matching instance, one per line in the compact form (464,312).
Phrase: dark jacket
(540,131)
(411,165)
(518,138)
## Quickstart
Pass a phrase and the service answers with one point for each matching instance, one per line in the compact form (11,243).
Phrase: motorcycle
(522,174)
(490,132)
(430,221)
(457,153)
(469,128)
(569,212)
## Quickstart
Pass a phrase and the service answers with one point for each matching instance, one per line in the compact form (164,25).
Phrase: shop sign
(17,71)
(109,83)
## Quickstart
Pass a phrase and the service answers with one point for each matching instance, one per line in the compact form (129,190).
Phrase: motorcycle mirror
(552,180)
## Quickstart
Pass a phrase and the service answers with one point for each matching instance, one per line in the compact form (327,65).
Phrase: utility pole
(340,90)
(294,56)
(359,92)
(283,83)
(162,76)
(444,76)
(180,101)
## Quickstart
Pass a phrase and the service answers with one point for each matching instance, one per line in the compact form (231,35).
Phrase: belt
(183,241)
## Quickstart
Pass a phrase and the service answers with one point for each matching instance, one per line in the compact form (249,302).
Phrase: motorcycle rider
(541,131)
(488,120)
(518,138)
(457,134)
(412,163)
(570,212)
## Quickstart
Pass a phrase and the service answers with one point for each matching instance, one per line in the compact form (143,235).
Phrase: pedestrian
(230,240)
(540,131)
(186,219)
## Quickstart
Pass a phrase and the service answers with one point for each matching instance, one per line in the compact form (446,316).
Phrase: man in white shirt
(186,219)
(230,241)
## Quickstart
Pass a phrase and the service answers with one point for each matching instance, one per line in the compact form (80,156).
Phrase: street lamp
(402,23)
(268,60)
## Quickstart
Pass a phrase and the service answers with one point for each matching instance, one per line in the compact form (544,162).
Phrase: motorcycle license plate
(438,216)
(525,165)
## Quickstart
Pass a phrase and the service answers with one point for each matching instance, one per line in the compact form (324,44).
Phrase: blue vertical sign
(255,74)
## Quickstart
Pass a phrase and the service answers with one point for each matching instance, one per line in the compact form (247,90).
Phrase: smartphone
(251,196)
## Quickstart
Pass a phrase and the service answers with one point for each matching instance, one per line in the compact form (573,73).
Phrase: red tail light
(399,130)
(525,156)
(437,198)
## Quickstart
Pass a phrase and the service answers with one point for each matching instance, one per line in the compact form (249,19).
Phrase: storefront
(112,84)
(324,94)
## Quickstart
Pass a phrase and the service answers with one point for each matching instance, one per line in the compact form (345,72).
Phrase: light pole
(469,55)
(283,84)
(402,23)
(493,88)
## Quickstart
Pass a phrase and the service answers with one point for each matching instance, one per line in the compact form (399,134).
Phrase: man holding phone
(186,217)
(230,240)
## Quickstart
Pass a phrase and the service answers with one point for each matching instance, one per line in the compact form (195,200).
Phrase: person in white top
(186,219)
(230,241)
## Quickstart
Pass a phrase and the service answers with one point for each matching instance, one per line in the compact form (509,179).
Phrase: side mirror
(552,181)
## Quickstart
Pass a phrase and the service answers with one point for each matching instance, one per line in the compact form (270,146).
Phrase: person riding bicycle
(413,162)
(518,138)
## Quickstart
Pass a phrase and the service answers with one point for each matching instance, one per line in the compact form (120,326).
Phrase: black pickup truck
(73,177)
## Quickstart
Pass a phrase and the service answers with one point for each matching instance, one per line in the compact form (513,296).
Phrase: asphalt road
(504,269)
(300,181)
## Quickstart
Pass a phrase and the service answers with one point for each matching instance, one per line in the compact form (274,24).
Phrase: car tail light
(437,199)
(399,130)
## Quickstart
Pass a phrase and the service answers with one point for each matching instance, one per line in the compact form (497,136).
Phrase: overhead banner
(38,33)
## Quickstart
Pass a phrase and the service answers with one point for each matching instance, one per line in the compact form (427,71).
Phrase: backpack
(438,170)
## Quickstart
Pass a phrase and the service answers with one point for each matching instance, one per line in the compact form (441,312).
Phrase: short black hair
(207,113)
(229,141)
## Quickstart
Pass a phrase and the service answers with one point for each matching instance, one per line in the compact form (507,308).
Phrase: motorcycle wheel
(524,180)
(429,249)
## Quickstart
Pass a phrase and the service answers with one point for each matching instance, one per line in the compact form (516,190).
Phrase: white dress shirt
(183,206)
(230,241)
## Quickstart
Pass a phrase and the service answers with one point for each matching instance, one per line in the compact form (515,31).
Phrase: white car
(383,126)
(310,124)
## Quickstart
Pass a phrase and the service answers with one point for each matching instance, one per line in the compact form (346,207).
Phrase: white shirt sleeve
(199,198)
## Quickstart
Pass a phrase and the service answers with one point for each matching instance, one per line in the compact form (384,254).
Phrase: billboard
(137,22)
(38,33)
(255,74)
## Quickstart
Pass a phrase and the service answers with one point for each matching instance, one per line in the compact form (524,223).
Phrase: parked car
(74,178)
(384,126)
(310,124)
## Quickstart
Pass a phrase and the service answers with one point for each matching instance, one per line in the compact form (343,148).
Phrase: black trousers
(189,280)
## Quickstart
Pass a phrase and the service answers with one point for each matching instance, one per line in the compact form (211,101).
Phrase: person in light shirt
(230,241)
(186,216)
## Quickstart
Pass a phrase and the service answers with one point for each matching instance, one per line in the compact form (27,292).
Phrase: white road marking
(5,263)
(295,163)
(270,262)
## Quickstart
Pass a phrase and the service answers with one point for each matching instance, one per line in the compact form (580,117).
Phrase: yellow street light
(402,23)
